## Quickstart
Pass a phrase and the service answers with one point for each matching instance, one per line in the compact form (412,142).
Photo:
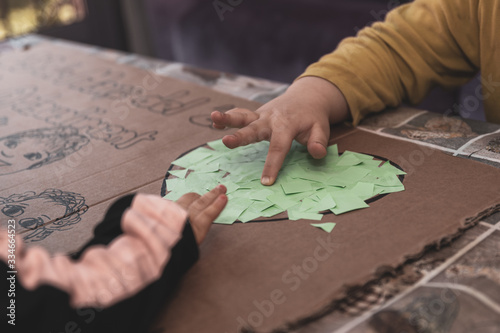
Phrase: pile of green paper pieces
(304,188)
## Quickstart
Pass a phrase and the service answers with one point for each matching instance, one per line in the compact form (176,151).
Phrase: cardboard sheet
(266,275)
(80,131)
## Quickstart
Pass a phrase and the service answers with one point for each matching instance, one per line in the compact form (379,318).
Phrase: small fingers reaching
(254,132)
(235,118)
(205,217)
(205,210)
(187,199)
(202,202)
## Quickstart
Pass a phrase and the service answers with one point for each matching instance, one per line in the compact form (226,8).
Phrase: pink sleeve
(104,275)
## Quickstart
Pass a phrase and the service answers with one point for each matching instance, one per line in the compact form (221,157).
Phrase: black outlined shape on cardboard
(35,148)
(62,210)
(282,216)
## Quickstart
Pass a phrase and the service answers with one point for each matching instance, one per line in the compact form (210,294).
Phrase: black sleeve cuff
(110,227)
(47,309)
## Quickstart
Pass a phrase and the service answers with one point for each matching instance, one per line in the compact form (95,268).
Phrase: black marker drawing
(206,75)
(89,122)
(61,211)
(104,83)
(46,66)
(223,108)
(9,96)
(204,119)
(38,147)
(168,105)
(112,90)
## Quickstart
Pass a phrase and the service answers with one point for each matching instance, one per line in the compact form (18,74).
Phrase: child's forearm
(419,45)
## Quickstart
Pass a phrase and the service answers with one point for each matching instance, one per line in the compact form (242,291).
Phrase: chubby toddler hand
(304,113)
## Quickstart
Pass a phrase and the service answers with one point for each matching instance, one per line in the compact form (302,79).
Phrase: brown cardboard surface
(264,275)
(122,127)
(115,127)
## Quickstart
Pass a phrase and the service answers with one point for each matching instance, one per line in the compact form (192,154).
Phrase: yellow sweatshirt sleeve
(419,45)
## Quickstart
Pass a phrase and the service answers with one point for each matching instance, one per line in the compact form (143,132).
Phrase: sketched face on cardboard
(38,215)
(34,148)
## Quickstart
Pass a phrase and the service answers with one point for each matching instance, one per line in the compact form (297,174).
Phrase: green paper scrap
(261,205)
(389,189)
(325,203)
(249,215)
(179,173)
(233,211)
(349,160)
(305,186)
(282,200)
(260,194)
(327,226)
(333,151)
(271,211)
(218,145)
(387,166)
(387,179)
(193,157)
(296,186)
(213,167)
(347,202)
(230,186)
(172,183)
(298,215)
(307,205)
(173,196)
(360,156)
(349,176)
(363,190)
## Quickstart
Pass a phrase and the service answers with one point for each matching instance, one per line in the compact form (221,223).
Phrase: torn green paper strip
(347,202)
(327,226)
(193,157)
(179,173)
(298,215)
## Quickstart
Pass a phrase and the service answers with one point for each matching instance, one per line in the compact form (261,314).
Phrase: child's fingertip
(266,180)
(222,188)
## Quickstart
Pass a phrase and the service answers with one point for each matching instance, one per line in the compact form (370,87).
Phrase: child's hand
(304,113)
(203,210)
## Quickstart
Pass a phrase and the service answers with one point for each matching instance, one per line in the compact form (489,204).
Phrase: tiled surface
(460,295)
(478,269)
(480,262)
(452,289)
(434,309)
(493,219)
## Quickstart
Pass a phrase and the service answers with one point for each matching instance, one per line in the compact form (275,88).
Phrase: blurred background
(275,39)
